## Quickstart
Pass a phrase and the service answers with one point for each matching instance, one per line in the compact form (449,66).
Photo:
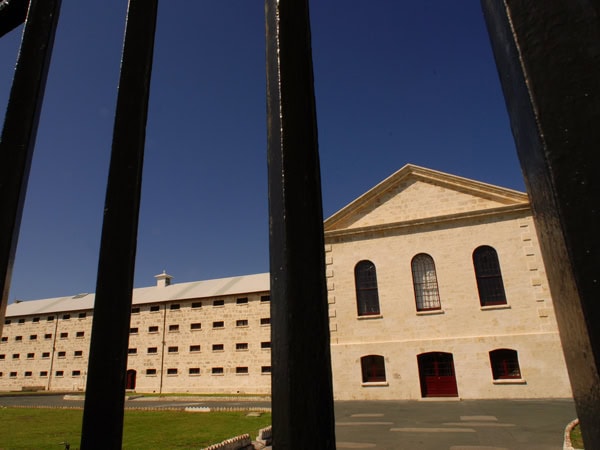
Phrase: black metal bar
(12,14)
(302,394)
(20,129)
(548,58)
(105,390)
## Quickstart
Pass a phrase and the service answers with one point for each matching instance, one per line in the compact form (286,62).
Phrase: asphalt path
(414,425)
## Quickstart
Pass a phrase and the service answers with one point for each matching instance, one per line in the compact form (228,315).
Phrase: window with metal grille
(242,301)
(241,370)
(367,296)
(152,350)
(373,368)
(150,371)
(196,326)
(265,369)
(241,323)
(217,371)
(241,346)
(173,349)
(174,306)
(218,347)
(172,371)
(489,277)
(80,334)
(194,370)
(154,308)
(196,305)
(505,364)
(78,353)
(427,296)
(194,348)
(76,373)
(173,328)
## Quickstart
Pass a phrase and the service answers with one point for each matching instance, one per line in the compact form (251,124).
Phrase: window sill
(370,316)
(431,312)
(510,381)
(375,384)
(493,307)
(242,374)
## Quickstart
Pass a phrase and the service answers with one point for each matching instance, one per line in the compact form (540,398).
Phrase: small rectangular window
(150,371)
(76,373)
(241,370)
(13,374)
(18,338)
(48,336)
(62,354)
(135,310)
(217,371)
(30,355)
(173,349)
(194,348)
(153,329)
(60,373)
(7,322)
(172,371)
(134,330)
(33,337)
(28,373)
(242,301)
(195,326)
(78,353)
(265,344)
(241,323)
(218,302)
(154,308)
(35,320)
(4,338)
(196,305)
(265,321)
(265,298)
(50,318)
(173,327)
(241,346)
(66,316)
(46,355)
(132,351)
(82,315)
(217,347)
(265,369)
(16,355)
(2,356)
(194,370)
(152,350)
(80,334)
(174,306)
(218,324)
(21,320)
(64,335)
(44,373)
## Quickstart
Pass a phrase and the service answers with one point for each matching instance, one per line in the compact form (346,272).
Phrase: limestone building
(436,287)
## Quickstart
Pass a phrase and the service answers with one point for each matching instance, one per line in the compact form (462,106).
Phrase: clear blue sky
(396,83)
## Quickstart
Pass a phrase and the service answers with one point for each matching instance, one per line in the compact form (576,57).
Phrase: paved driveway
(453,425)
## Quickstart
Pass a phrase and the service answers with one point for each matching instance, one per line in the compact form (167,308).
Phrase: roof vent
(163,279)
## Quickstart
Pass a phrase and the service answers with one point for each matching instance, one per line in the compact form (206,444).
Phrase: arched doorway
(436,373)
(130,384)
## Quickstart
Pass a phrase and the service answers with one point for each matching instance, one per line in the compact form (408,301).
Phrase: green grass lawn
(576,439)
(24,428)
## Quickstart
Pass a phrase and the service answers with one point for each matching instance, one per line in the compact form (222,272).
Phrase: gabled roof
(416,194)
(244,284)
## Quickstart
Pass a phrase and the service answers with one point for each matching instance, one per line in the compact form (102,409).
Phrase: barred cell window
(21,320)
(64,335)
(367,294)
(78,353)
(241,370)
(218,324)
(195,326)
(82,315)
(218,302)
(18,338)
(2,356)
(30,355)
(33,337)
(152,350)
(373,368)
(36,320)
(48,336)
(265,344)
(135,310)
(62,354)
(80,334)
(28,373)
(194,370)
(241,346)
(174,306)
(217,347)
(172,371)
(154,308)
(217,371)
(241,323)
(59,373)
(427,296)
(16,356)
(46,355)
(242,301)
(66,316)
(150,371)
(50,318)
(265,369)
(4,339)
(153,329)
(132,351)
(173,349)
(76,373)
(505,364)
(489,277)
(7,322)
(265,321)
(196,305)
(133,330)
(44,373)
(194,348)
(13,374)
(265,298)
(173,328)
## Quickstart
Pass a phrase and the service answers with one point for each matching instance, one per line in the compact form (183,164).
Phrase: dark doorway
(436,372)
(130,379)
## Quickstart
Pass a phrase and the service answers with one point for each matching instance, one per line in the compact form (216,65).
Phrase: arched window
(373,368)
(427,295)
(489,277)
(367,297)
(505,364)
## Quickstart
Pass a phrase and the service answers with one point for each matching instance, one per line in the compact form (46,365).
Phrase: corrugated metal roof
(244,284)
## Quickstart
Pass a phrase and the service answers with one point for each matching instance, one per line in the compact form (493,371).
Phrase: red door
(436,372)
(130,384)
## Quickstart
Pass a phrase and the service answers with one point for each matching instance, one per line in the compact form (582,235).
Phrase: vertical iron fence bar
(548,58)
(105,390)
(12,14)
(302,393)
(20,129)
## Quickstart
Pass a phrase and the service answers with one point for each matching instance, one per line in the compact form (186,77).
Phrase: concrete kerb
(567,442)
